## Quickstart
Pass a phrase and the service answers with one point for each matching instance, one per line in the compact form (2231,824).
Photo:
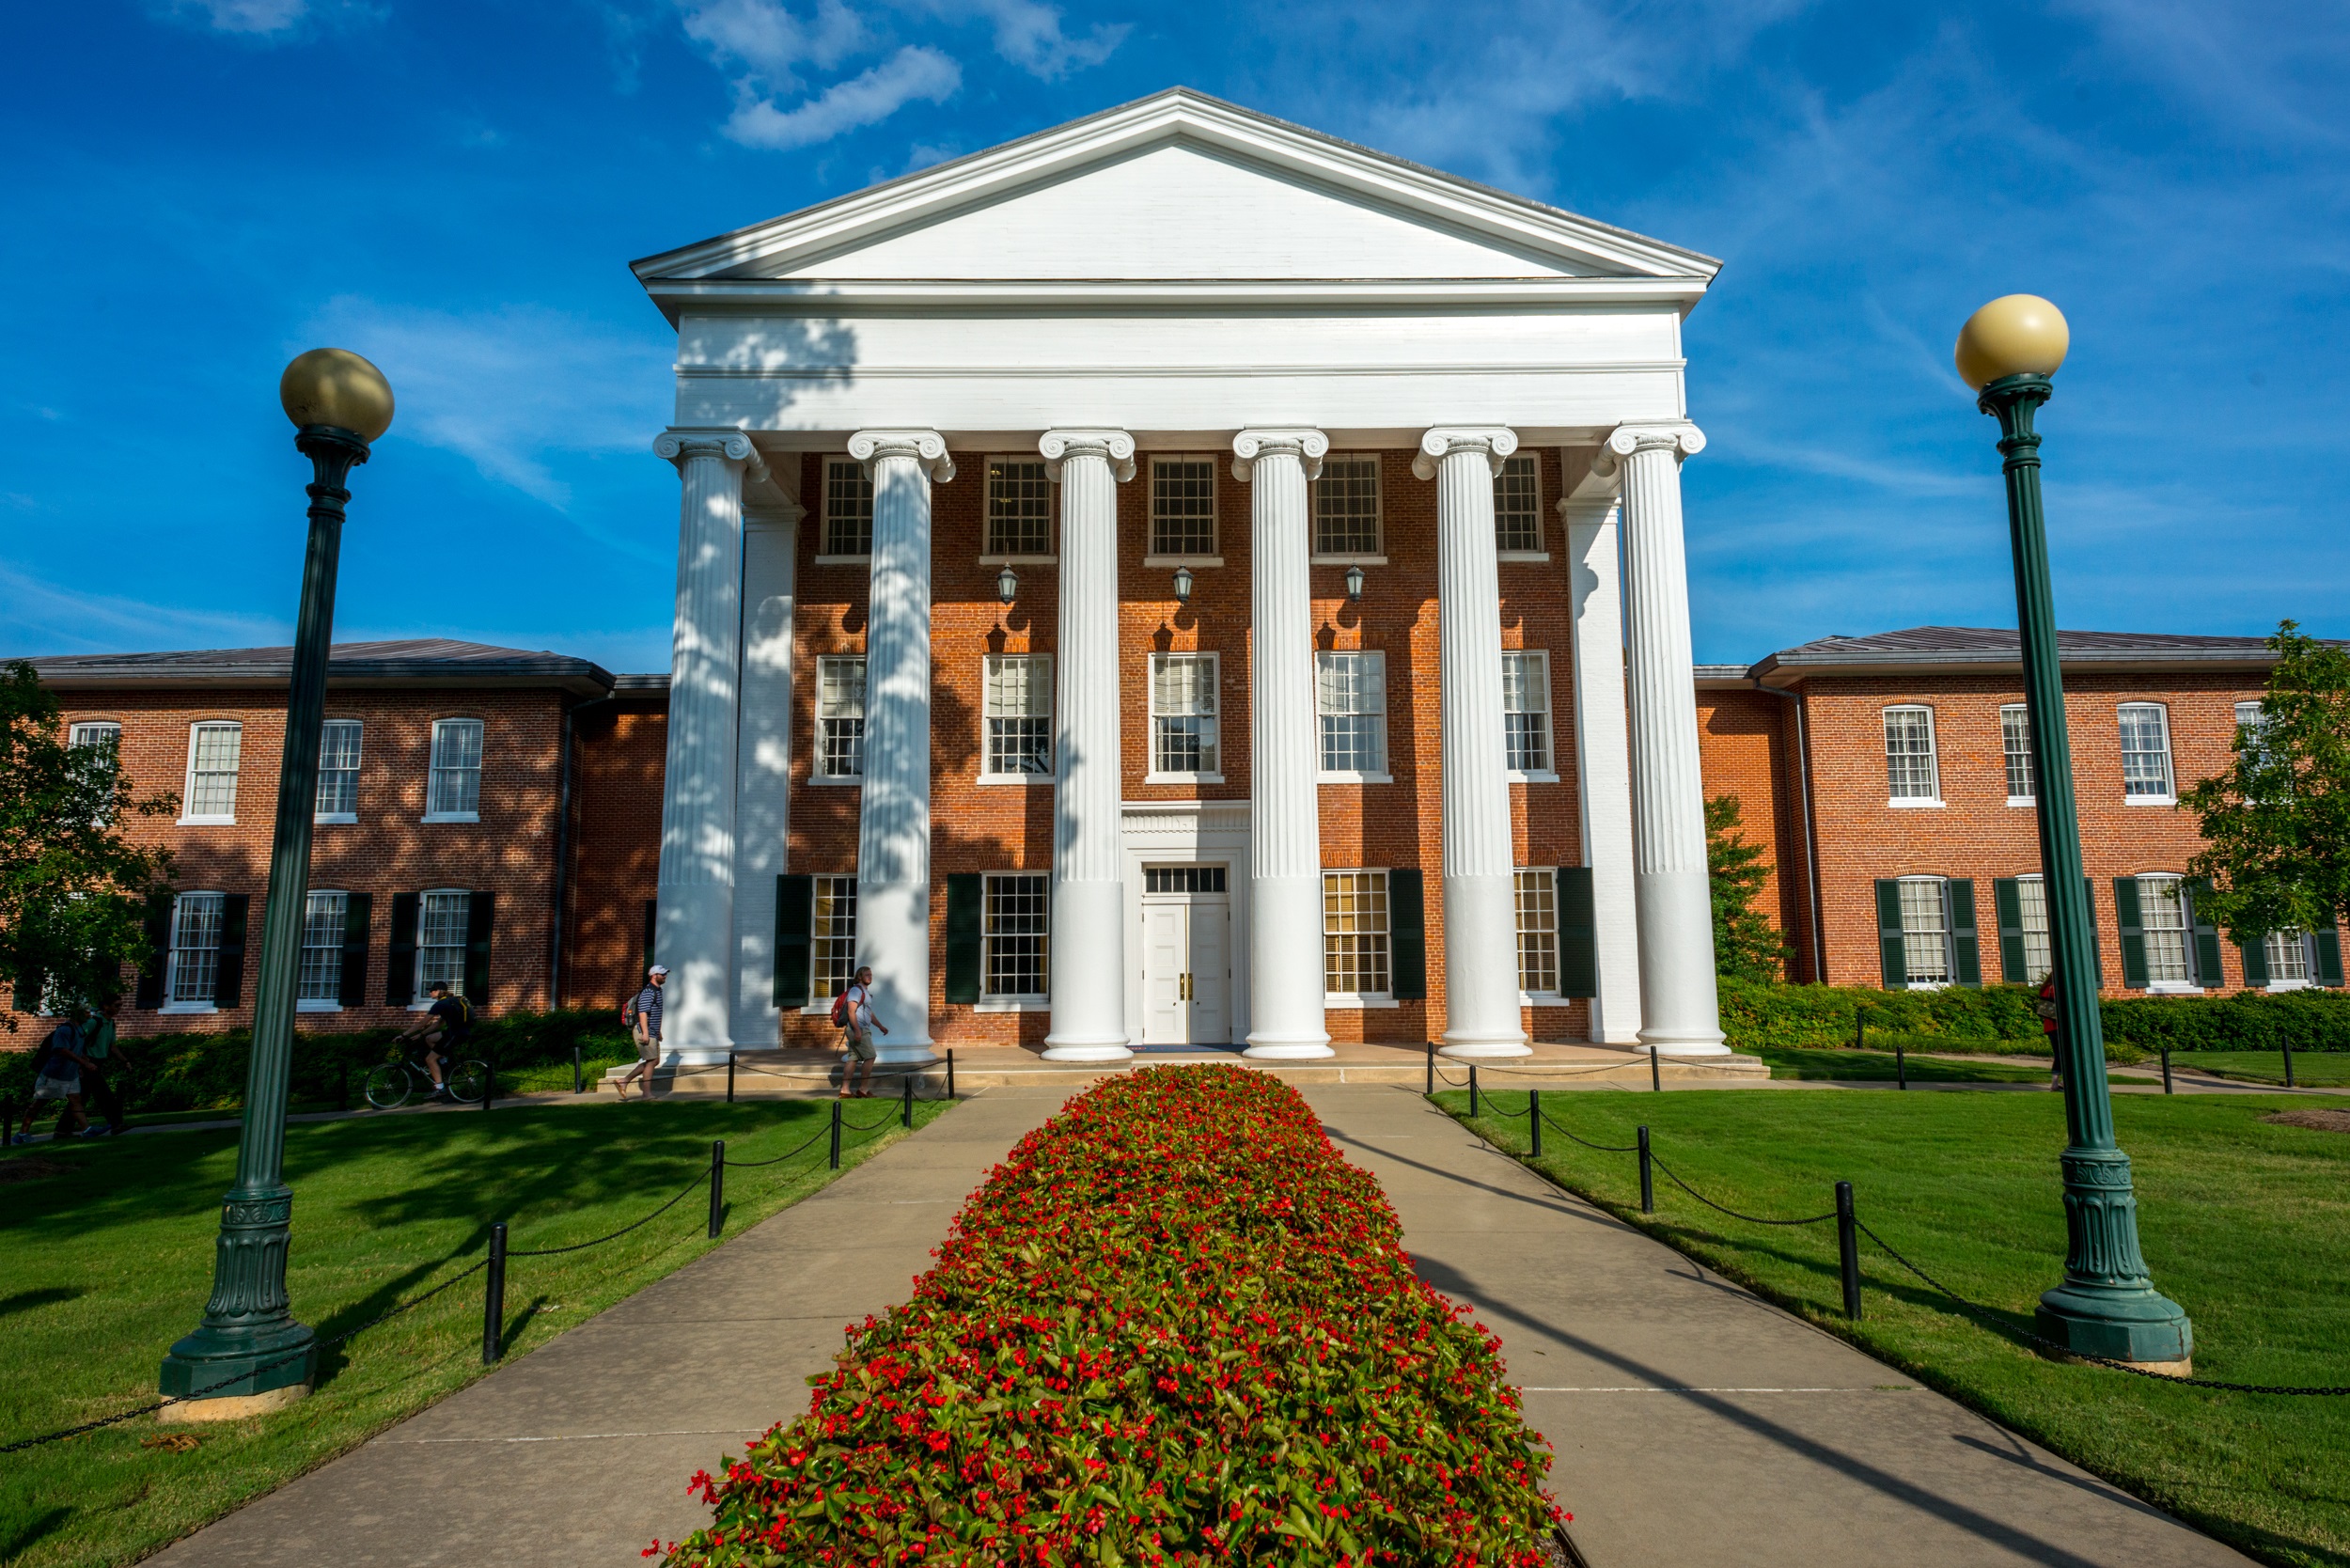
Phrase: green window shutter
(150,991)
(2125,914)
(480,914)
(652,929)
(1891,955)
(2255,956)
(2207,970)
(229,979)
(358,911)
(2097,943)
(1407,937)
(966,897)
(400,971)
(795,940)
(2325,943)
(2008,906)
(1578,934)
(1966,947)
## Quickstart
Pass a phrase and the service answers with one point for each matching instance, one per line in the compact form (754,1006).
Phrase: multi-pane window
(1182,713)
(213,750)
(848,508)
(1538,931)
(2162,915)
(2031,903)
(1016,935)
(1354,932)
(840,716)
(1926,930)
(1910,771)
(192,971)
(108,734)
(1518,504)
(2015,736)
(1346,507)
(1183,506)
(832,928)
(1525,710)
(320,978)
(2146,751)
(1020,713)
(2250,720)
(455,787)
(338,769)
(1351,696)
(1183,879)
(442,919)
(2288,956)
(1019,508)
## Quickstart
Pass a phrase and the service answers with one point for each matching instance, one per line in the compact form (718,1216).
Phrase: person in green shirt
(97,1063)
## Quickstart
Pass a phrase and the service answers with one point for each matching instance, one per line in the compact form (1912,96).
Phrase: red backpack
(840,1010)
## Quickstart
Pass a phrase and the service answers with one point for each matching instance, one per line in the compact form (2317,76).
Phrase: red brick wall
(617,751)
(1747,748)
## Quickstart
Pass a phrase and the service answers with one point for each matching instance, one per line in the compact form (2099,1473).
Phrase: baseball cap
(658,969)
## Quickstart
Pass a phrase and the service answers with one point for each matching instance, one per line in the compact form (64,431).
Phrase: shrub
(1966,1018)
(1174,1326)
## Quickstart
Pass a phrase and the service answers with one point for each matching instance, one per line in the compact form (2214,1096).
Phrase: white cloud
(258,17)
(769,41)
(914,73)
(1028,34)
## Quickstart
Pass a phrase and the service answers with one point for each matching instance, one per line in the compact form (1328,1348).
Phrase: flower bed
(1174,1326)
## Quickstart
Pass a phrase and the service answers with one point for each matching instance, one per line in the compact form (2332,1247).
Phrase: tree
(73,893)
(1745,945)
(2276,824)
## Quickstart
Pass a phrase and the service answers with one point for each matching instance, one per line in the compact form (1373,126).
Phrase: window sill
(1019,560)
(844,560)
(420,1007)
(329,819)
(1348,1002)
(818,1010)
(2173,988)
(1536,555)
(850,781)
(2274,986)
(1535,776)
(1347,561)
(2150,800)
(1915,803)
(1343,776)
(188,1007)
(1016,779)
(1543,998)
(1012,1004)
(207,822)
(1927,986)
(311,1004)
(451,817)
(1182,778)
(1168,563)
(2027,801)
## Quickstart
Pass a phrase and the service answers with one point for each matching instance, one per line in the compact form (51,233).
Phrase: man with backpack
(58,1075)
(852,1010)
(642,1015)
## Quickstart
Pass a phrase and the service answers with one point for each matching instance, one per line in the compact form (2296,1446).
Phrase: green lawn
(2327,1069)
(1800,1062)
(2246,1223)
(106,1257)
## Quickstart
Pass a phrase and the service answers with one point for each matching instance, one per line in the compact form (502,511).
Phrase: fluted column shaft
(694,926)
(763,798)
(893,845)
(1285,967)
(1481,944)
(1680,1009)
(1088,918)
(1603,761)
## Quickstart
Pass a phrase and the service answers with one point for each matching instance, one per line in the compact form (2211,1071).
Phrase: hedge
(1174,1328)
(1964,1017)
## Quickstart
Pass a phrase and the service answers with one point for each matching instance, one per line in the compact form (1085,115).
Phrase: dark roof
(410,662)
(1997,648)
(632,686)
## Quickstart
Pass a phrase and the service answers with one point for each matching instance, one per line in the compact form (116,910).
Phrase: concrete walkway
(1696,1426)
(578,1453)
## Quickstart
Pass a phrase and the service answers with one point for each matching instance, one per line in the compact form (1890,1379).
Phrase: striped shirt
(649,1009)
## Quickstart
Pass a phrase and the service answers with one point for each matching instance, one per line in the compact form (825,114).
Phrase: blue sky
(198,189)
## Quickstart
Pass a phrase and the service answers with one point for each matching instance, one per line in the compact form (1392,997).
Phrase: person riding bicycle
(446,1025)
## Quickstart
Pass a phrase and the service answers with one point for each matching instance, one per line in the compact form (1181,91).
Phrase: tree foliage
(2276,824)
(72,891)
(1745,945)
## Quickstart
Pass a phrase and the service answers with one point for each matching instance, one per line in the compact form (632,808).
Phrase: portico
(1176,370)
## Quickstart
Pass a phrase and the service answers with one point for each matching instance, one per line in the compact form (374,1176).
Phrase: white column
(893,843)
(762,804)
(694,927)
(1679,1012)
(1089,959)
(1480,922)
(1285,974)
(1602,761)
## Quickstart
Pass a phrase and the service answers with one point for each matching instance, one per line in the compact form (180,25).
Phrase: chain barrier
(1603,1148)
(753,1164)
(1751,1219)
(582,1246)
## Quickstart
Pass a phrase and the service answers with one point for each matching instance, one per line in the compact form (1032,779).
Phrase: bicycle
(395,1083)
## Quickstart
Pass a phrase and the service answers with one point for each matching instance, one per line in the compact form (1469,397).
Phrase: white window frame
(358,754)
(1950,950)
(2274,946)
(96,732)
(1384,935)
(1156,557)
(2009,755)
(1541,880)
(2169,794)
(992,1000)
(1538,663)
(990,554)
(826,946)
(434,769)
(422,981)
(837,468)
(1933,756)
(1377,554)
(1215,716)
(189,817)
(1524,462)
(819,762)
(991,666)
(1377,772)
(2190,984)
(318,901)
(180,909)
(2045,936)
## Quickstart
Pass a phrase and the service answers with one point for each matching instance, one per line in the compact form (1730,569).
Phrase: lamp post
(248,1354)
(2108,1305)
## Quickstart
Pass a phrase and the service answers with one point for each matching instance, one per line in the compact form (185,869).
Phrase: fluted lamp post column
(2108,1305)
(248,1355)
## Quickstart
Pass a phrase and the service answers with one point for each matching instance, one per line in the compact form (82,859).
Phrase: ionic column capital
(1310,446)
(1680,437)
(925,449)
(1116,448)
(732,445)
(1495,440)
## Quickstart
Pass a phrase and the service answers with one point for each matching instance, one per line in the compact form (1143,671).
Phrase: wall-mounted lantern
(1007,584)
(1182,585)
(1354,584)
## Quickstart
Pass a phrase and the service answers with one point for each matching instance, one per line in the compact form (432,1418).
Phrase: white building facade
(1120,572)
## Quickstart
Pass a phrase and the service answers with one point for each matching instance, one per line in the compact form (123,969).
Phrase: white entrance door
(1186,960)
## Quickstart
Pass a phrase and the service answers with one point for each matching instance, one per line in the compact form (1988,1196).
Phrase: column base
(1086,1050)
(686,1057)
(914,1053)
(1482,1050)
(1288,1050)
(1713,1047)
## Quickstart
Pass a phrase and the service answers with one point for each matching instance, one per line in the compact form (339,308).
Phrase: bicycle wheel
(389,1086)
(468,1081)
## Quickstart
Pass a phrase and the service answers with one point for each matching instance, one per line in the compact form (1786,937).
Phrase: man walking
(857,1025)
(98,1060)
(57,1076)
(643,1015)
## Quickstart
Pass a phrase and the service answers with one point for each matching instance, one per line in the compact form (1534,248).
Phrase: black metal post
(905,1115)
(1472,1091)
(1648,1178)
(1848,1249)
(717,1186)
(950,1072)
(488,1082)
(1859,1031)
(729,1078)
(836,1135)
(1901,1064)
(1655,1073)
(494,1297)
(1534,1118)
(1432,1069)
(2166,1070)
(2288,1063)
(579,1078)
